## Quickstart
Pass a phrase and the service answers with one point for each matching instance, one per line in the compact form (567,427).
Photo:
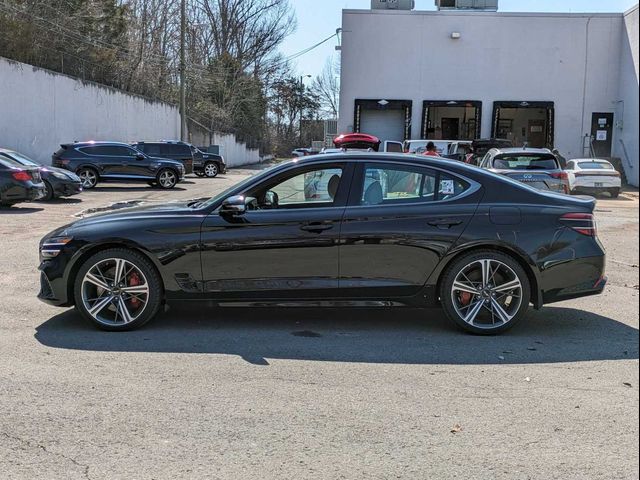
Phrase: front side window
(311,188)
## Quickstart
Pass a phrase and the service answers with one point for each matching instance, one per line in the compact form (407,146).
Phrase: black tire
(508,269)
(152,184)
(145,267)
(211,169)
(614,192)
(89,177)
(167,178)
(49,194)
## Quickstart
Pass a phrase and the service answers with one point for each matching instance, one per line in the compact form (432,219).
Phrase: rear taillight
(21,176)
(564,178)
(583,223)
(560,175)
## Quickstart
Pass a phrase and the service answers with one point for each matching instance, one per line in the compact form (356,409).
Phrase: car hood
(66,173)
(120,211)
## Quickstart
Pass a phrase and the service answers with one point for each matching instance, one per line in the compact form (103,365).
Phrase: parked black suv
(195,160)
(94,162)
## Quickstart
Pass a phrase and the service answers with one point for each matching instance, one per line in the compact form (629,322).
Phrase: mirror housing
(140,156)
(237,205)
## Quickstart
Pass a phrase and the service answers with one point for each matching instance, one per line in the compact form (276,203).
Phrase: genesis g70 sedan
(348,228)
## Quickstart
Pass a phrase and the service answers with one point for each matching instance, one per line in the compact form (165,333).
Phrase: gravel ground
(323,394)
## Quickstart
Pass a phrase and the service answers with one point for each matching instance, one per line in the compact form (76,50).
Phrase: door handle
(445,223)
(316,227)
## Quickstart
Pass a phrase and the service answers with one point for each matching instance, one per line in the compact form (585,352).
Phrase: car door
(285,248)
(102,157)
(132,162)
(401,220)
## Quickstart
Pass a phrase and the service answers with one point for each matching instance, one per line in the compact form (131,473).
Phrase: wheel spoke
(497,308)
(473,312)
(122,309)
(136,289)
(119,271)
(100,305)
(462,287)
(91,278)
(505,287)
(486,271)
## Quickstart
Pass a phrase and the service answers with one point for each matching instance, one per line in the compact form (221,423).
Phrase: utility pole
(302,77)
(183,67)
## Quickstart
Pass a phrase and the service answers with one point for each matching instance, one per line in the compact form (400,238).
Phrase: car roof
(99,143)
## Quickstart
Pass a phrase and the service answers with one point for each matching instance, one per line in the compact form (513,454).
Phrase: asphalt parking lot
(305,393)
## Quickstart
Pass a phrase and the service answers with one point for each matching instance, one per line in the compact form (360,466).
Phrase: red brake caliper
(134,280)
(465,298)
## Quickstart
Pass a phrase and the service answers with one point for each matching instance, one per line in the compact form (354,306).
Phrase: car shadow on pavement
(127,188)
(399,336)
(18,210)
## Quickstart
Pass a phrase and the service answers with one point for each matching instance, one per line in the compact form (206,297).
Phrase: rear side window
(397,184)
(526,162)
(108,150)
(174,149)
(150,148)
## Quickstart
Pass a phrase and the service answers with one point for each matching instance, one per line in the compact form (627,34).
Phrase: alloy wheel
(115,292)
(88,178)
(167,179)
(486,294)
(211,170)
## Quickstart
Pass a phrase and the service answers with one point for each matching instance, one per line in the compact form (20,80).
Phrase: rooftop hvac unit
(393,4)
(484,5)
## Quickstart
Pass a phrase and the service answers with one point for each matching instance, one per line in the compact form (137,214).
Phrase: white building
(553,80)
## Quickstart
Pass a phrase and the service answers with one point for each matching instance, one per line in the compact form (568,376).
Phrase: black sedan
(362,228)
(19,183)
(57,182)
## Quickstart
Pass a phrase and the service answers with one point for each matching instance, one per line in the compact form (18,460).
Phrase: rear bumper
(23,192)
(593,190)
(577,278)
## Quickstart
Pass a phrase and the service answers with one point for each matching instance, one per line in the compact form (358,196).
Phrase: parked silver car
(537,167)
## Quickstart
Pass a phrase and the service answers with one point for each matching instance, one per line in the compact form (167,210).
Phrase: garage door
(384,124)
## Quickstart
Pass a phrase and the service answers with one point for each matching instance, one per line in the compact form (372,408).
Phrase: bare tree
(327,88)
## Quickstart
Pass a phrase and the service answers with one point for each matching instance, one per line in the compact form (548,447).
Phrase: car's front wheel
(211,169)
(167,178)
(88,177)
(485,292)
(118,289)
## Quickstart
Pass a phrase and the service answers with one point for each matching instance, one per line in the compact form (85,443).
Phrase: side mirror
(140,156)
(237,205)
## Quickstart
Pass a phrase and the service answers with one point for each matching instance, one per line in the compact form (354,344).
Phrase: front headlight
(51,247)
(61,176)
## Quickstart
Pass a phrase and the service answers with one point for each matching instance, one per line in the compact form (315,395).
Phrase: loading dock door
(384,124)
(389,120)
(530,123)
(601,131)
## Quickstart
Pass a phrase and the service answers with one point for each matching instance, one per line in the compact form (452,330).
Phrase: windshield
(19,158)
(596,165)
(526,162)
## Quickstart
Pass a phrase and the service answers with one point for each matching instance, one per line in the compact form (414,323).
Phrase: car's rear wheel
(211,169)
(88,177)
(614,192)
(167,178)
(485,292)
(118,289)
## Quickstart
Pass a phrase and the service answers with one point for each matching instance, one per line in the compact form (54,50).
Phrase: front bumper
(67,189)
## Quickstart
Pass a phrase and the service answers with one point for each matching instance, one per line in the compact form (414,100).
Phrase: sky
(317,19)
